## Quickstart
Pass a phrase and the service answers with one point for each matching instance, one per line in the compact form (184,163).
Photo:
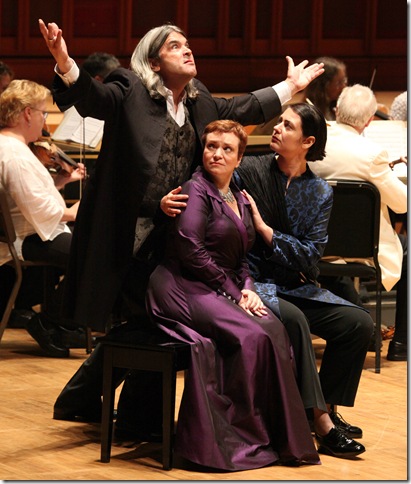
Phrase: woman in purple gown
(241,407)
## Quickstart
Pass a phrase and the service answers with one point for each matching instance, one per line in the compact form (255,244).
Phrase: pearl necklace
(227,197)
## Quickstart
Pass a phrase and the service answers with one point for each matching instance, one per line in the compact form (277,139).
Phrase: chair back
(353,229)
(7,232)
(354,232)
(8,236)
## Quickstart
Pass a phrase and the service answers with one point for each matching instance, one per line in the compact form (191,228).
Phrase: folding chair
(8,236)
(353,233)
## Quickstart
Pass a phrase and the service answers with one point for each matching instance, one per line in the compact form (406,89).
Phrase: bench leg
(169,397)
(108,406)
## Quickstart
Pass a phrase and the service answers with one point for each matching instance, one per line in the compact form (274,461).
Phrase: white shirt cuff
(69,77)
(283,92)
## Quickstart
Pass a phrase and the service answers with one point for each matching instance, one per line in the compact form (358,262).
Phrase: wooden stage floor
(36,447)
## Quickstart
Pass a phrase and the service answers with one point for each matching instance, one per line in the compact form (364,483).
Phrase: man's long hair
(149,48)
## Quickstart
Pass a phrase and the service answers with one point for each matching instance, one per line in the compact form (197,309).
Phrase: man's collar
(170,95)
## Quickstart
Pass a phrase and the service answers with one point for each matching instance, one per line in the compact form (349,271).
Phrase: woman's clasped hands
(251,303)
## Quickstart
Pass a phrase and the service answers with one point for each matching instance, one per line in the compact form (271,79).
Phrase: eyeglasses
(45,113)
(340,82)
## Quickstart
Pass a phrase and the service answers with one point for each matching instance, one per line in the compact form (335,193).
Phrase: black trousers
(347,331)
(401,323)
(344,287)
(140,402)
(55,251)
(298,330)
(31,293)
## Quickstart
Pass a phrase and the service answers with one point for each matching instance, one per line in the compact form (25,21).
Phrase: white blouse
(35,203)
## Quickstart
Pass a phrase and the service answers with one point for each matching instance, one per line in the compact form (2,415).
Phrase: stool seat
(156,352)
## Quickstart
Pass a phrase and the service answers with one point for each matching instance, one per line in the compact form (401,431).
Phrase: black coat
(103,237)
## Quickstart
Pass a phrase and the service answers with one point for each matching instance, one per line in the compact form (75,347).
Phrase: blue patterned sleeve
(309,208)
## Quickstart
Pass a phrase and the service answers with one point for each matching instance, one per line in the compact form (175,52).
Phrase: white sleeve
(283,91)
(69,77)
(392,190)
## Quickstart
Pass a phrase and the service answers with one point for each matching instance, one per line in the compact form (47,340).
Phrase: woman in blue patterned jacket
(295,207)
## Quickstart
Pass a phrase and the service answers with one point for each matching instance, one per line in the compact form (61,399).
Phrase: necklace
(227,197)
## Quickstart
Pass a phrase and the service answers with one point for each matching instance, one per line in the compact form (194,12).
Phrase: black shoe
(397,351)
(76,338)
(350,431)
(46,338)
(19,317)
(125,434)
(337,444)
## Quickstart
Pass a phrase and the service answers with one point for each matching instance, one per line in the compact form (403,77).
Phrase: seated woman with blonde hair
(38,210)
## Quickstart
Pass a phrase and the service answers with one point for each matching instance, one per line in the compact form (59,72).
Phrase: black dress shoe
(349,430)
(46,338)
(19,317)
(397,351)
(337,444)
(76,338)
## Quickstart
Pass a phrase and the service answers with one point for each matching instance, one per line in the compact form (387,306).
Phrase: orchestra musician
(355,157)
(39,212)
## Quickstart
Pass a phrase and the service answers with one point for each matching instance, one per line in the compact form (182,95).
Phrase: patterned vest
(173,169)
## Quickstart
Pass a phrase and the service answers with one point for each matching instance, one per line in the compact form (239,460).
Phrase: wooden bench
(148,352)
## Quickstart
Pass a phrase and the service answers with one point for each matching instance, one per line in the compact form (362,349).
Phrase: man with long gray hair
(154,113)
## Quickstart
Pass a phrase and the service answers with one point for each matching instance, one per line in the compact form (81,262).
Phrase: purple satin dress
(241,408)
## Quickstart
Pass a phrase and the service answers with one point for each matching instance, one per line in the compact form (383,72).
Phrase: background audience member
(323,92)
(39,212)
(295,207)
(203,294)
(100,64)
(6,76)
(399,107)
(154,116)
(355,157)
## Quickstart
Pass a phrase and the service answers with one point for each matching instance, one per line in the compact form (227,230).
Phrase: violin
(53,158)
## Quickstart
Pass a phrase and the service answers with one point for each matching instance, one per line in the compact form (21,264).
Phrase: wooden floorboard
(33,446)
